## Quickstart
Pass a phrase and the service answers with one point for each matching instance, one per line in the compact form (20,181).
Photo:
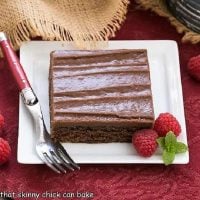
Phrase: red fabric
(142,182)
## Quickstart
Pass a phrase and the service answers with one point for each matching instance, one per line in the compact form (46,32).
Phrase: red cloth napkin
(141,182)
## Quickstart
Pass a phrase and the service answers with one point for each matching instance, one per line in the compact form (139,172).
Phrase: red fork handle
(13,63)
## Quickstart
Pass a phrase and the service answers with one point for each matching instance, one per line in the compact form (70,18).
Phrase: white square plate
(167,97)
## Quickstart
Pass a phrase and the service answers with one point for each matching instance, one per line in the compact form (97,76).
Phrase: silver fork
(50,152)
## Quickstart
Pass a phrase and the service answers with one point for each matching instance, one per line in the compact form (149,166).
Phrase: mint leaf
(170,142)
(161,142)
(168,157)
(181,147)
(170,147)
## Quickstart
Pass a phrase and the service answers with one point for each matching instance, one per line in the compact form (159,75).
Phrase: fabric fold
(84,22)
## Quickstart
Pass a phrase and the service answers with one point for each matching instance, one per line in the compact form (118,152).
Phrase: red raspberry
(194,67)
(2,122)
(5,151)
(144,142)
(166,122)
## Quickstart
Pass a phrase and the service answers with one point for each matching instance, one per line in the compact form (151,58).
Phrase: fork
(51,152)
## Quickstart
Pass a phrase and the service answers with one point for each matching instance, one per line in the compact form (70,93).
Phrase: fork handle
(13,63)
(17,71)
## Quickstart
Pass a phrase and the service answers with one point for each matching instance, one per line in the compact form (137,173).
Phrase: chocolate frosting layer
(100,88)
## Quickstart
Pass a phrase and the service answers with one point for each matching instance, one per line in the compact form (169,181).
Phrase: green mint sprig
(170,147)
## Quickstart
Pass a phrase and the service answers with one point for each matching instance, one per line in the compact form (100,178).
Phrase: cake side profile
(99,96)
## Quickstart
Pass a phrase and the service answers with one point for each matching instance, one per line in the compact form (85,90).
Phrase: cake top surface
(104,85)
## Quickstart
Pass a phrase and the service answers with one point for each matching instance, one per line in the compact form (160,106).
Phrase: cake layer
(99,93)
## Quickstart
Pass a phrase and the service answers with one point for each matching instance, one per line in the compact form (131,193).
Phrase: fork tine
(49,163)
(54,159)
(66,156)
(62,161)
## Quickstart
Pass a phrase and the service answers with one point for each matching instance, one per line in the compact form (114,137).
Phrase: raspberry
(194,67)
(5,151)
(166,122)
(2,122)
(144,142)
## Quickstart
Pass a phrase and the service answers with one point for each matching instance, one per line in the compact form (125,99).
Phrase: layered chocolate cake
(99,96)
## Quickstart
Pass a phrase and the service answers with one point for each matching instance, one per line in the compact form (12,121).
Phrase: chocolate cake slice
(99,96)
